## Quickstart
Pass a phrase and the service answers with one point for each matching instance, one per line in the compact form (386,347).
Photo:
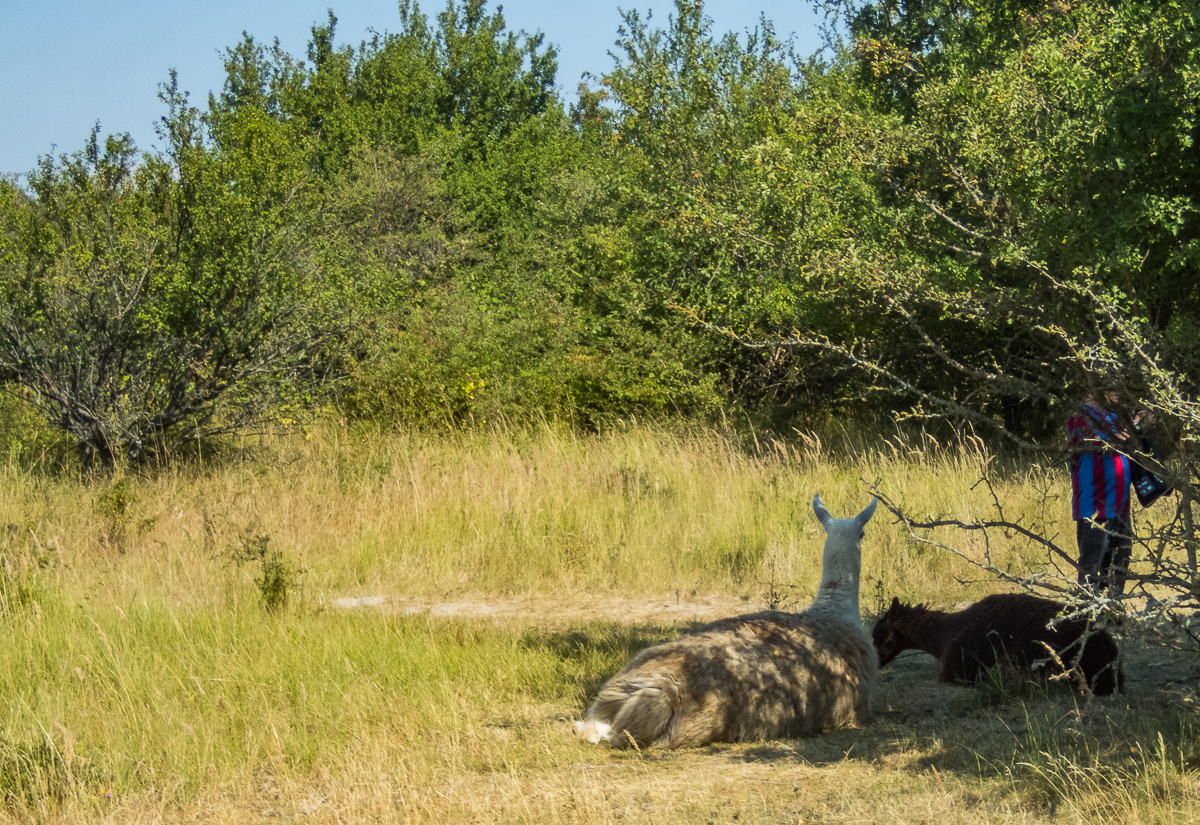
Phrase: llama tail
(635,712)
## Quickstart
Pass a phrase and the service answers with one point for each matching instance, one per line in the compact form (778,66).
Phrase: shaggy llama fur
(759,676)
(1010,627)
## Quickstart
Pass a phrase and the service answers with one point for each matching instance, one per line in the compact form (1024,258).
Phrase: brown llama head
(889,635)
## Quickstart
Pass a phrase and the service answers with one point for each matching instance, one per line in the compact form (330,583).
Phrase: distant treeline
(958,208)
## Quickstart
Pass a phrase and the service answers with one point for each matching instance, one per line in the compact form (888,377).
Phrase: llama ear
(866,514)
(895,603)
(822,514)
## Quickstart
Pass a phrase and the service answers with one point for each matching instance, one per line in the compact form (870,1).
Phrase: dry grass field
(346,626)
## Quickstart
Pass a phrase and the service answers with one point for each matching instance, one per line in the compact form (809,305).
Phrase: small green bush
(278,578)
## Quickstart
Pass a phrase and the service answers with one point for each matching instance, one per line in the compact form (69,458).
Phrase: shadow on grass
(990,731)
(599,649)
(600,639)
(589,654)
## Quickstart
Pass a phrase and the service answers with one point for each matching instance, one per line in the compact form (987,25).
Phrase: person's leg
(1093,542)
(1114,569)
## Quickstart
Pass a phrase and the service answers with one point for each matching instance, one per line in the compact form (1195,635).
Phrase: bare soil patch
(543,610)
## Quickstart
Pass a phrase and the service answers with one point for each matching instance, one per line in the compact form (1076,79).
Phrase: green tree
(493,81)
(152,299)
(732,167)
(467,83)
(1042,223)
(1050,171)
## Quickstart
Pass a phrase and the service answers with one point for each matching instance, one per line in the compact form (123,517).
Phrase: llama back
(759,676)
(1001,626)
(1014,626)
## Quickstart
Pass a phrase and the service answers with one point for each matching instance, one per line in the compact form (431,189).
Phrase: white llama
(760,676)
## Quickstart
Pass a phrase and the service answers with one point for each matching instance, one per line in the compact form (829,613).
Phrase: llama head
(841,561)
(847,526)
(886,635)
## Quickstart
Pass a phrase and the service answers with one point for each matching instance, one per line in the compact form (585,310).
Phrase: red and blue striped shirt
(1100,475)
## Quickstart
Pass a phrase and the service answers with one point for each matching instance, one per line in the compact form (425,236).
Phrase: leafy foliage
(138,296)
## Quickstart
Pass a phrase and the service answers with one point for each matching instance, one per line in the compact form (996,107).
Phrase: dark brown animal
(1007,627)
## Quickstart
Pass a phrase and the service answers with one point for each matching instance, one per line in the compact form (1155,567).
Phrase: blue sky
(67,63)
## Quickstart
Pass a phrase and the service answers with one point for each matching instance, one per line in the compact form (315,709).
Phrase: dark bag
(1148,487)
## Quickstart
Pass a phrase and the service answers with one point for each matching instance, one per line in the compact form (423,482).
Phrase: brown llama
(1010,627)
(753,677)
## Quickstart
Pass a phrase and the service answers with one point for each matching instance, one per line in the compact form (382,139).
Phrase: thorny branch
(1037,580)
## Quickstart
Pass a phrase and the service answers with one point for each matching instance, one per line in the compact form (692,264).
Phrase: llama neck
(929,630)
(838,593)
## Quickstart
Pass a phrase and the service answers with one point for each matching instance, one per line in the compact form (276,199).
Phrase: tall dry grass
(147,674)
(639,510)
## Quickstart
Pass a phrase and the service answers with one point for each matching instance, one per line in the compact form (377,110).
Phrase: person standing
(1101,493)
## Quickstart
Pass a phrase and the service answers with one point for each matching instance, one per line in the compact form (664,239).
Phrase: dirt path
(549,611)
